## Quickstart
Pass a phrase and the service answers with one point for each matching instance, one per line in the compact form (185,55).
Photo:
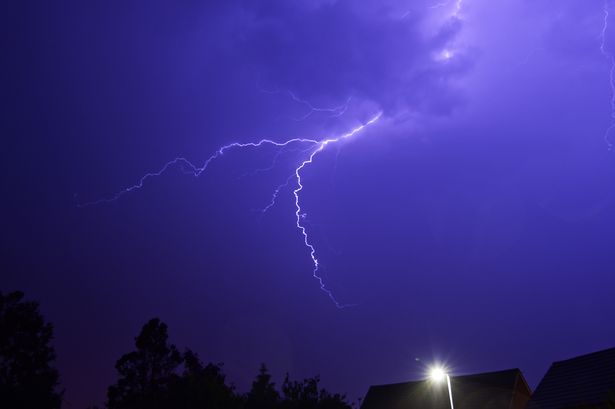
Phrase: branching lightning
(333,112)
(301,215)
(611,58)
(309,149)
(276,193)
(315,147)
(195,170)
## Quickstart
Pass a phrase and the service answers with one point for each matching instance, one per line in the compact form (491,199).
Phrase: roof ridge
(584,356)
(480,374)
(487,373)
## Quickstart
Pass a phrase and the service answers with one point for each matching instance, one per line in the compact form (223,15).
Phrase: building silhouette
(583,382)
(492,390)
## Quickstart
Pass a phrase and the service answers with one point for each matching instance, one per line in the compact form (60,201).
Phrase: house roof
(492,390)
(586,380)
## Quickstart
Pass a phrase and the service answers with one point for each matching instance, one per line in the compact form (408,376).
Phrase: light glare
(437,374)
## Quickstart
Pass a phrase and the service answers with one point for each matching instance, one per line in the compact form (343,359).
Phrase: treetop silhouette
(27,378)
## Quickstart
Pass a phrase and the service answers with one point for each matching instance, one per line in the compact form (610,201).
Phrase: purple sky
(473,223)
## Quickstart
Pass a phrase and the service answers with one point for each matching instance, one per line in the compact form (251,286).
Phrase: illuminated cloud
(387,54)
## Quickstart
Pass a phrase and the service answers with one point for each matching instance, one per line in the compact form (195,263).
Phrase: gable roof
(492,390)
(586,380)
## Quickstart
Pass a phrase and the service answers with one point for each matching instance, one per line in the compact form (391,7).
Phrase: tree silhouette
(263,394)
(27,379)
(150,378)
(307,395)
(203,387)
(147,374)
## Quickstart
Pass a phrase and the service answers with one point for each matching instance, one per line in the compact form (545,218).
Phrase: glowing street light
(439,374)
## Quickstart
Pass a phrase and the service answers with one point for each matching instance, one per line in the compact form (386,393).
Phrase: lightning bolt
(334,112)
(458,7)
(316,147)
(192,168)
(611,58)
(276,193)
(300,215)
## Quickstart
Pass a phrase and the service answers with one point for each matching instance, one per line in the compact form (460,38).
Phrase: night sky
(473,223)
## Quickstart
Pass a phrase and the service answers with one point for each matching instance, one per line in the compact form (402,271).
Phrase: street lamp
(439,374)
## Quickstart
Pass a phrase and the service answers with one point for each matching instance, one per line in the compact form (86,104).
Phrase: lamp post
(439,374)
